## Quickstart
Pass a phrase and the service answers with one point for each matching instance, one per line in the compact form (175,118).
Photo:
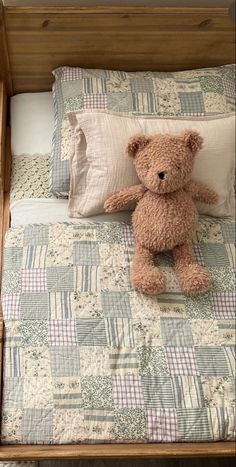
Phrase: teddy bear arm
(201,192)
(121,200)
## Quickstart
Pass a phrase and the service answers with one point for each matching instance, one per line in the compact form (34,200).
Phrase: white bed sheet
(32,124)
(46,211)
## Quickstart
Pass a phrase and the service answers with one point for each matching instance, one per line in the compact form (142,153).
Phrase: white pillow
(99,165)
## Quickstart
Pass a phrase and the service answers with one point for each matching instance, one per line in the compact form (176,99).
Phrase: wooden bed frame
(35,40)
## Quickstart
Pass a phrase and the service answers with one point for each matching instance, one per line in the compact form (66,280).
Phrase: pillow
(99,165)
(200,92)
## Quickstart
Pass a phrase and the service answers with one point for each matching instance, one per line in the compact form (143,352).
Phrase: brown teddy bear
(165,217)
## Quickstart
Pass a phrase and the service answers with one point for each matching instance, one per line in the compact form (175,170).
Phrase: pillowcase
(99,165)
(200,92)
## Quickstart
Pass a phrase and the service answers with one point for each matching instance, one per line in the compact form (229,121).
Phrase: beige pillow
(99,165)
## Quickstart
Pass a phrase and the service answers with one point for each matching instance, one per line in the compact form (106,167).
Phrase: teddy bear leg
(146,277)
(193,278)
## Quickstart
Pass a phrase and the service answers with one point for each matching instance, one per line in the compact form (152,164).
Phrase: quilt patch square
(119,332)
(11,306)
(144,102)
(228,232)
(65,361)
(12,258)
(60,279)
(176,332)
(86,253)
(181,361)
(97,392)
(223,279)
(15,358)
(35,235)
(162,425)
(224,304)
(215,254)
(197,249)
(141,85)
(211,361)
(127,391)
(62,332)
(95,101)
(193,424)
(61,305)
(188,391)
(34,306)
(34,332)
(91,332)
(13,393)
(116,304)
(11,282)
(127,234)
(158,391)
(37,424)
(192,103)
(130,424)
(34,280)
(152,360)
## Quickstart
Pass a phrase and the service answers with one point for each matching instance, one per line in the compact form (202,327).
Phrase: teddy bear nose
(161,175)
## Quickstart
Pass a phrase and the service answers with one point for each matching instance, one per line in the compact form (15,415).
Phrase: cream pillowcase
(99,165)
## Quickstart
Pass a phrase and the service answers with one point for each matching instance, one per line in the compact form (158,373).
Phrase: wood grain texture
(3,113)
(3,116)
(4,58)
(37,452)
(126,38)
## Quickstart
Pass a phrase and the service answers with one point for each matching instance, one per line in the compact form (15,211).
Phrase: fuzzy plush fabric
(165,217)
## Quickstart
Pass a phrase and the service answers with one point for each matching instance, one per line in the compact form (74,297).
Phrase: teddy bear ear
(137,142)
(192,140)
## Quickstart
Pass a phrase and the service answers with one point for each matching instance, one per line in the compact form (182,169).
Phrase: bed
(120,407)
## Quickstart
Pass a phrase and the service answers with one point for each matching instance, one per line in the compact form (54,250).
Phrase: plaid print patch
(161,425)
(95,101)
(224,304)
(229,88)
(192,103)
(70,74)
(62,332)
(181,360)
(127,235)
(11,306)
(34,280)
(198,254)
(127,391)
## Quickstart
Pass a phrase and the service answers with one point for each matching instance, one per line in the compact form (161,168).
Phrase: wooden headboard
(131,38)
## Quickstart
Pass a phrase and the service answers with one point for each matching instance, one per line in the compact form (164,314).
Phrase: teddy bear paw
(195,279)
(149,281)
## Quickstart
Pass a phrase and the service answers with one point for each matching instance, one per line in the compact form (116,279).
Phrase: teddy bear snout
(161,175)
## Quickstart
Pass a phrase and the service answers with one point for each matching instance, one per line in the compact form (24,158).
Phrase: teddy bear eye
(177,167)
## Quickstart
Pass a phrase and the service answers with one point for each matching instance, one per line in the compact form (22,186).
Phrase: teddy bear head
(164,162)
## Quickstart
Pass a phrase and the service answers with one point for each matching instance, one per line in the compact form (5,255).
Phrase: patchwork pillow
(206,91)
(100,166)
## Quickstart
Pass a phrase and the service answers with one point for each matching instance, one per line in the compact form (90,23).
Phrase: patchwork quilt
(89,360)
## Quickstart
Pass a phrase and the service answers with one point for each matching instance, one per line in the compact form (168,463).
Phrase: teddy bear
(165,217)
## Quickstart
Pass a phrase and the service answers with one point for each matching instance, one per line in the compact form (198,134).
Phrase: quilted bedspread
(88,359)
